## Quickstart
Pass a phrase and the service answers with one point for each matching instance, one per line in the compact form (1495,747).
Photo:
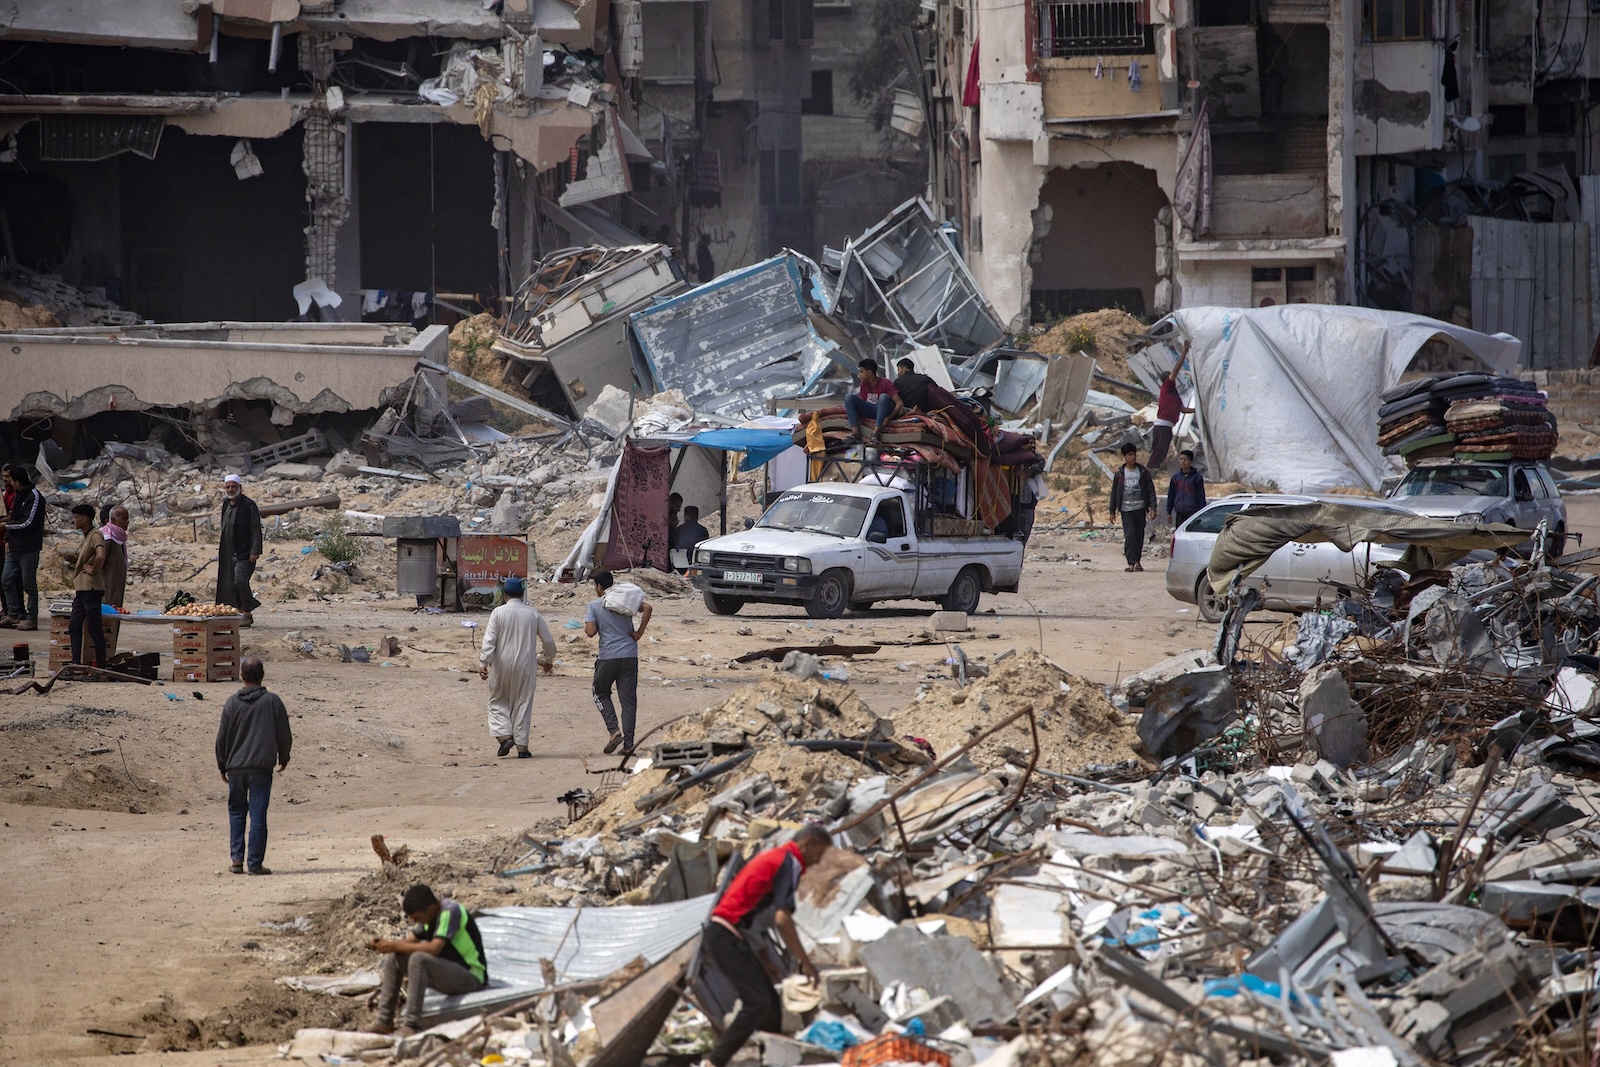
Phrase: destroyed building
(1401,155)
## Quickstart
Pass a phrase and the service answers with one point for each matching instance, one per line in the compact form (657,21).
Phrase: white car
(835,546)
(1297,577)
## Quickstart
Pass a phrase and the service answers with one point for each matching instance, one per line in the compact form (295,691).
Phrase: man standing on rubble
(444,952)
(24,542)
(1133,502)
(618,663)
(875,400)
(507,660)
(238,549)
(1169,407)
(761,896)
(252,736)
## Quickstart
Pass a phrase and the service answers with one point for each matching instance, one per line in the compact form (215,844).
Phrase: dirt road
(114,837)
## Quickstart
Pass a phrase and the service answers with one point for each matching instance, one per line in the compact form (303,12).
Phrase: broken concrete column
(1335,725)
(323,162)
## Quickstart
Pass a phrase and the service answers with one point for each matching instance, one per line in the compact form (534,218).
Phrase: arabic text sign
(486,559)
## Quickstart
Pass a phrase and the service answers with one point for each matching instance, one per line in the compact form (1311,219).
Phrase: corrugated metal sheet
(735,342)
(582,943)
(1532,280)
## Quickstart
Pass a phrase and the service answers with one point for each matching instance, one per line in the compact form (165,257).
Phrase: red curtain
(969,94)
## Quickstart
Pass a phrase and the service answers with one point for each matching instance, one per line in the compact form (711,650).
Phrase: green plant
(1079,338)
(336,544)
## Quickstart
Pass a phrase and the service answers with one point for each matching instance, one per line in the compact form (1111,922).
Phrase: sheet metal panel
(1533,280)
(582,943)
(735,342)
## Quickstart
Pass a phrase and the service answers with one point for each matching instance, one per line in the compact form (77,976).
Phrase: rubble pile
(63,304)
(1366,836)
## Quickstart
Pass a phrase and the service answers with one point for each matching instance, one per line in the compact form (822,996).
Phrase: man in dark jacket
(1186,493)
(254,734)
(24,541)
(1133,503)
(238,549)
(912,387)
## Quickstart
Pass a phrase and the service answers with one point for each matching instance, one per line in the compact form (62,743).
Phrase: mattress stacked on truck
(1468,416)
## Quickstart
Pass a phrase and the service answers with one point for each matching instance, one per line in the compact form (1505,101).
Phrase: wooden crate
(206,650)
(61,640)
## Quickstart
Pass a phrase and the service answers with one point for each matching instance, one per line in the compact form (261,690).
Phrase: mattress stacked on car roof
(1468,416)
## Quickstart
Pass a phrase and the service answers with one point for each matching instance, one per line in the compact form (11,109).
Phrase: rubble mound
(1078,725)
(266,1014)
(88,787)
(15,316)
(372,908)
(1115,335)
(470,348)
(767,714)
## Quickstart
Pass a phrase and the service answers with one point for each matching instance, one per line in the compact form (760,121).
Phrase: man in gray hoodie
(254,734)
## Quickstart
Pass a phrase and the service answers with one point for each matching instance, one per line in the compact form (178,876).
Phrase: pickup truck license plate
(742,576)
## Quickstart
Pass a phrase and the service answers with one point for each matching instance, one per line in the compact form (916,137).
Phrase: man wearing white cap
(507,660)
(239,548)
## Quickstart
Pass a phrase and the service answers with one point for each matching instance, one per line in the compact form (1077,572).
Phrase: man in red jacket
(760,895)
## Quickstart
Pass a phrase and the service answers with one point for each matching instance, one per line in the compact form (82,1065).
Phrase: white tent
(1288,395)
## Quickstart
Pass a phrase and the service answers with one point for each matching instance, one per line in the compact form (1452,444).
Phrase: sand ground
(119,916)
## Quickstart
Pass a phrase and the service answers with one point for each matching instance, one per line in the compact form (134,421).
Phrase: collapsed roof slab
(303,368)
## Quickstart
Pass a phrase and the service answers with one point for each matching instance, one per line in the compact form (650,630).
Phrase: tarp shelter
(1249,537)
(1289,395)
(695,466)
(735,342)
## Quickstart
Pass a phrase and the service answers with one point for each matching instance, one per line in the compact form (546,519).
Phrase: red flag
(969,94)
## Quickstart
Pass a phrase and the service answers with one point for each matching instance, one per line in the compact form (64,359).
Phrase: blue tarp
(759,446)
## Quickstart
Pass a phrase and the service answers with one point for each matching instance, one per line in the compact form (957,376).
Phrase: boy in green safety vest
(444,952)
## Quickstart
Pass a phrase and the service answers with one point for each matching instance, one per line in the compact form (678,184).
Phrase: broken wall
(1100,250)
(1397,99)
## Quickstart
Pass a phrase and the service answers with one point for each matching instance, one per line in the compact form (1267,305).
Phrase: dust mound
(25,316)
(1077,724)
(266,1014)
(772,711)
(90,787)
(470,341)
(372,908)
(1116,333)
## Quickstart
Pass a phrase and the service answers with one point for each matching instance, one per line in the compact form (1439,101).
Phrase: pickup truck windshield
(823,513)
(1458,479)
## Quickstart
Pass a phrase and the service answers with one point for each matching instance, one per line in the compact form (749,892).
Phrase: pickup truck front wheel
(718,604)
(964,592)
(832,596)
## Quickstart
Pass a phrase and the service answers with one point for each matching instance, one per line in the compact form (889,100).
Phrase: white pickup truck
(838,545)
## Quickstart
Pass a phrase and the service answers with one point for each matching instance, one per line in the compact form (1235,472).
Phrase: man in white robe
(507,660)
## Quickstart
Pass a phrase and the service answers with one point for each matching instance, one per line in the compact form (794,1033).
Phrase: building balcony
(1072,93)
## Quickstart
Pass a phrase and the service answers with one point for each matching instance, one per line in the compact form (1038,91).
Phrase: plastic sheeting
(1289,395)
(582,943)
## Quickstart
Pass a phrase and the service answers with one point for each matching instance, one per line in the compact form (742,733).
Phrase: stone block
(295,472)
(951,620)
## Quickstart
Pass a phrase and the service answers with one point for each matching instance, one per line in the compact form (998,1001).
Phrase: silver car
(1297,577)
(1523,494)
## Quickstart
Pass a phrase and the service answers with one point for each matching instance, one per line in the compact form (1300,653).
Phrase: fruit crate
(61,639)
(206,650)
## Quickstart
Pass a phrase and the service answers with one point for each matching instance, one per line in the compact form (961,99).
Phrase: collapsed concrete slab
(302,368)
